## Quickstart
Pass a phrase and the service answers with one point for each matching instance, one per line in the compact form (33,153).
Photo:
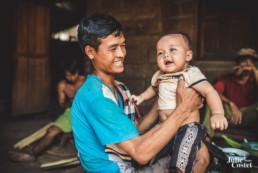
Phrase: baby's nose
(166,55)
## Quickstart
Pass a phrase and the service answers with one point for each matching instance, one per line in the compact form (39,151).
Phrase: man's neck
(108,79)
(69,82)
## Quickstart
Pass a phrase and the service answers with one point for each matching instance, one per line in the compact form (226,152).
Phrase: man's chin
(119,70)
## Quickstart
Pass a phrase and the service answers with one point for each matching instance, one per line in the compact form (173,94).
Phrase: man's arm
(143,148)
(255,71)
(236,112)
(250,67)
(61,94)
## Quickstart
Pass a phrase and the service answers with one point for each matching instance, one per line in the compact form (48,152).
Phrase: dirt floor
(11,131)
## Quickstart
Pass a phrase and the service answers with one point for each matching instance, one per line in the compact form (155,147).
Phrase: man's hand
(187,97)
(245,67)
(236,114)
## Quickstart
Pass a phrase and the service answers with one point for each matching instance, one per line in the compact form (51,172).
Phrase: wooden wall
(217,29)
(31,82)
(6,36)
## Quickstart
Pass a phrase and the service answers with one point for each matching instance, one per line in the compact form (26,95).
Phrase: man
(104,129)
(238,92)
(66,91)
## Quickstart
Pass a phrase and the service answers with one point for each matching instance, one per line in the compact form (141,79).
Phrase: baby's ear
(189,55)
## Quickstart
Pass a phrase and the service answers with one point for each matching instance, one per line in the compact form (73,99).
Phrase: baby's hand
(219,122)
(136,99)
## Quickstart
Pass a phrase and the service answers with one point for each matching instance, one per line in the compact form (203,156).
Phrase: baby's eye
(172,49)
(160,53)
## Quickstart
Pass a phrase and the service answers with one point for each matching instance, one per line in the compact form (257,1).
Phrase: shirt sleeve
(155,77)
(110,123)
(194,76)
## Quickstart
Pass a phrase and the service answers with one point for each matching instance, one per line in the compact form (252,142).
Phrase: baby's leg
(202,159)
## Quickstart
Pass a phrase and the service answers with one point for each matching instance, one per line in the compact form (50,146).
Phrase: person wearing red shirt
(238,92)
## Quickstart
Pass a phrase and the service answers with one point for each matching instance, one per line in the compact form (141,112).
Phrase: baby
(173,56)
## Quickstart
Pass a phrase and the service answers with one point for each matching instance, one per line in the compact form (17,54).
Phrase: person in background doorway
(238,91)
(66,90)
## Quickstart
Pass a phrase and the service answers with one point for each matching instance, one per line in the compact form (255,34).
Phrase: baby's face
(173,54)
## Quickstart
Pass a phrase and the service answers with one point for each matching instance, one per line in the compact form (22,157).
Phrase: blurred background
(36,35)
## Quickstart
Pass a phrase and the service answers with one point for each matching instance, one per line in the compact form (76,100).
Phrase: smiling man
(103,121)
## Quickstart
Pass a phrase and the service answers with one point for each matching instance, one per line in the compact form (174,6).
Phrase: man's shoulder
(61,84)
(82,78)
(227,77)
(92,88)
(80,81)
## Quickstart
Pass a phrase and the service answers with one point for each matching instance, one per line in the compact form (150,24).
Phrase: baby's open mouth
(168,62)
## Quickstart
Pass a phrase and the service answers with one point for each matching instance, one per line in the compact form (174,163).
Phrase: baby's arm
(218,121)
(149,93)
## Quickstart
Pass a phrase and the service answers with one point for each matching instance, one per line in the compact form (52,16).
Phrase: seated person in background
(238,91)
(66,91)
(173,56)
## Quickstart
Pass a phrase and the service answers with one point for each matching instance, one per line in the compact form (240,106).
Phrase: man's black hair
(240,59)
(71,65)
(95,27)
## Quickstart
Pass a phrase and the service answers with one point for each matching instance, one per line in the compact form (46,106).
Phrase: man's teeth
(118,63)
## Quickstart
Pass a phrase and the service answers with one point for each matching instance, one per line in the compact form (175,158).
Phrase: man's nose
(120,52)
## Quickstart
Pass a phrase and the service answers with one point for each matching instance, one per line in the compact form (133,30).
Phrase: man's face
(109,58)
(71,78)
(246,66)
(173,53)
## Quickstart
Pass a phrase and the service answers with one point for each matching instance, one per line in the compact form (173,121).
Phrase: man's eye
(112,49)
(172,49)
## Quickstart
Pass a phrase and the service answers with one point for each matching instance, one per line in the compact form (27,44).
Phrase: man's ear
(189,55)
(89,51)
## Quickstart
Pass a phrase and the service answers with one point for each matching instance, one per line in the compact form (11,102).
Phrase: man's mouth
(119,63)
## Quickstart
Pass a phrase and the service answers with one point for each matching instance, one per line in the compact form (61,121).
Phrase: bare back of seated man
(66,90)
(68,87)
